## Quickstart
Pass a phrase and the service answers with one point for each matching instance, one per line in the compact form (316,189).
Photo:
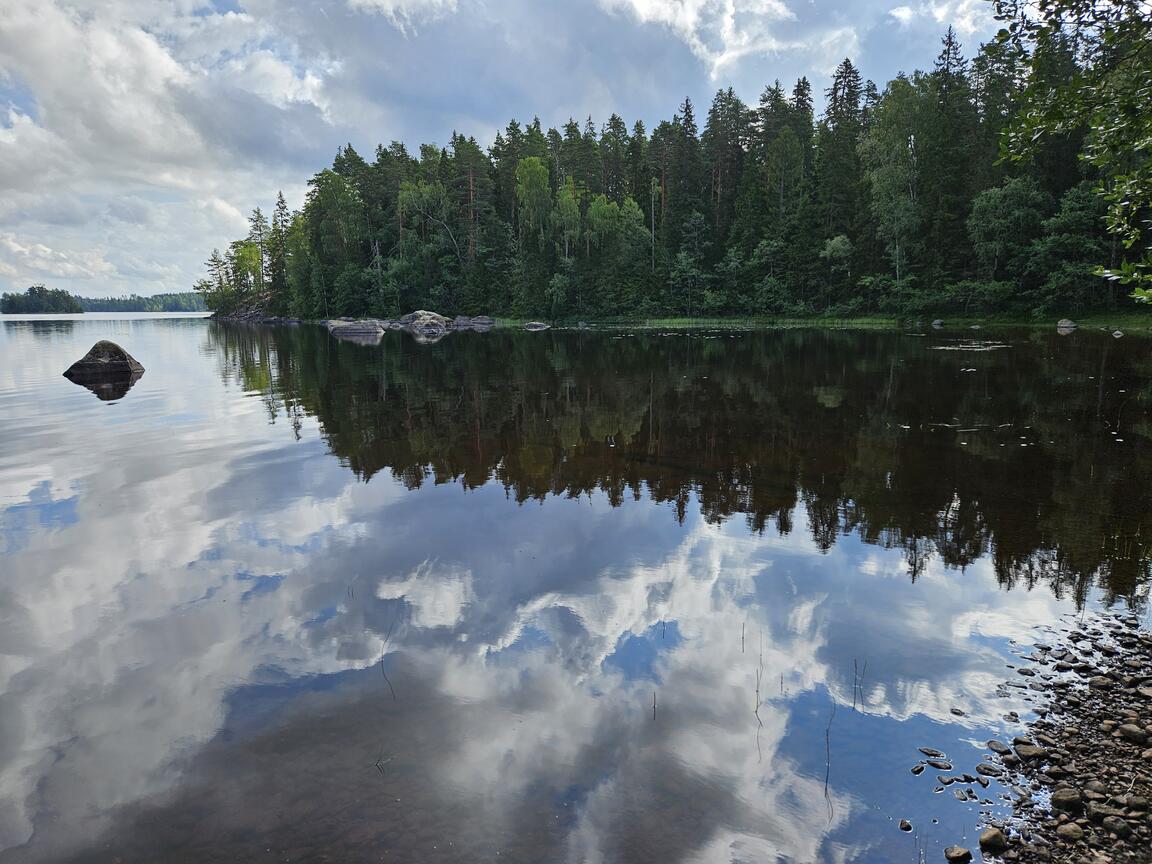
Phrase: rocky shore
(1079,778)
(426,327)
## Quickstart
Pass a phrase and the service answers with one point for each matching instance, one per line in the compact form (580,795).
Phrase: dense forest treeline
(185,301)
(894,200)
(1035,456)
(39,300)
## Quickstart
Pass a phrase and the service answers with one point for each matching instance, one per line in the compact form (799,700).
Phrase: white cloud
(27,256)
(405,13)
(969,17)
(719,32)
(903,14)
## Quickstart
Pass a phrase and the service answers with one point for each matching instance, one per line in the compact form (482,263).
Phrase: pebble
(993,841)
(1117,826)
(905,825)
(1029,752)
(1132,732)
(1070,831)
(1067,799)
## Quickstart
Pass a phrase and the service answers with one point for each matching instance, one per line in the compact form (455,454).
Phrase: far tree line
(39,300)
(897,200)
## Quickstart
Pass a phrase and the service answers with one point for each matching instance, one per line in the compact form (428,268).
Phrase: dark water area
(565,596)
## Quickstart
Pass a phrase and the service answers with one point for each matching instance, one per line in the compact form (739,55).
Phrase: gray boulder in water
(107,370)
(1065,324)
(536,326)
(105,360)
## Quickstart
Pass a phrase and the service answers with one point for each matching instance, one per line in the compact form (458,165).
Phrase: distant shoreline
(96,316)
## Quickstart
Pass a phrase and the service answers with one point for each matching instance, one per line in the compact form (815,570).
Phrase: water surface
(572,596)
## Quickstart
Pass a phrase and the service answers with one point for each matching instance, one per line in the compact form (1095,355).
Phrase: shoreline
(1078,779)
(1124,323)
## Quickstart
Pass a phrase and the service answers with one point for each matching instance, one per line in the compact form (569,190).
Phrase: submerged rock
(1066,324)
(536,326)
(107,370)
(957,855)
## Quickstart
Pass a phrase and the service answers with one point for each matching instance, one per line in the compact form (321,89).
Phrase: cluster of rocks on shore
(426,327)
(1080,779)
(255,316)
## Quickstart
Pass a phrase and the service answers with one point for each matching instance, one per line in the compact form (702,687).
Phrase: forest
(39,300)
(186,301)
(944,192)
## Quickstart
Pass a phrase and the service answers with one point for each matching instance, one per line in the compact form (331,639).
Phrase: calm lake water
(558,597)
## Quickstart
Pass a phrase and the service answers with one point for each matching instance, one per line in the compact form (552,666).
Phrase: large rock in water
(363,332)
(427,326)
(107,370)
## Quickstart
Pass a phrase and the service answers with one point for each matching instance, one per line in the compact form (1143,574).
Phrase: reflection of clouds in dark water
(196,672)
(492,741)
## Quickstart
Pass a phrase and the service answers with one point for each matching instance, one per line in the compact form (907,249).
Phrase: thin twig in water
(855,676)
(389,683)
(653,704)
(828,749)
(384,652)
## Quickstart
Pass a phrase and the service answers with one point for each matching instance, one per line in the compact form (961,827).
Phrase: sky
(136,135)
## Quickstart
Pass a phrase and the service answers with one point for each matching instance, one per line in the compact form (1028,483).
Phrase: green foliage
(1105,97)
(893,201)
(39,300)
(1003,224)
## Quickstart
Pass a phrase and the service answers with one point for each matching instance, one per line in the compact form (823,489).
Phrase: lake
(535,597)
